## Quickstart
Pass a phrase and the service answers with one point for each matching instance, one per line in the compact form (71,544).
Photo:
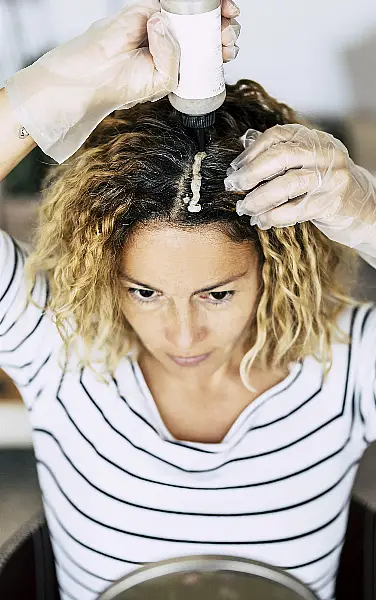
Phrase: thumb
(165,52)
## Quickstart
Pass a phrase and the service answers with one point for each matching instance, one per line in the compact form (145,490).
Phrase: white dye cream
(193,202)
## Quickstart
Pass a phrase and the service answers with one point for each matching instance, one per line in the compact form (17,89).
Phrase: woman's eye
(145,295)
(224,297)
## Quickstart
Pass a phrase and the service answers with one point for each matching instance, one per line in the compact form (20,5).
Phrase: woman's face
(172,309)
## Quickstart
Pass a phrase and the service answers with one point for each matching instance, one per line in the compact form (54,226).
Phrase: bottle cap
(198,121)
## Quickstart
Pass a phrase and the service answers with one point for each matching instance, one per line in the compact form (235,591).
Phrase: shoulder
(358,321)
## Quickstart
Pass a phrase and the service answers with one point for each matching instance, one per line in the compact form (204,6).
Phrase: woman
(250,449)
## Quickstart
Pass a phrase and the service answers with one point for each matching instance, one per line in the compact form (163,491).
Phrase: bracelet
(22,133)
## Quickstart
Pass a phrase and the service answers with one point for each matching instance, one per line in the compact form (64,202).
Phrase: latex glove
(230,30)
(306,175)
(121,60)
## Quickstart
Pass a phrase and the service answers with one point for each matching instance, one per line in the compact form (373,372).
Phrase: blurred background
(319,58)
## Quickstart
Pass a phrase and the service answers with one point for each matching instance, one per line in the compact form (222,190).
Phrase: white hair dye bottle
(201,90)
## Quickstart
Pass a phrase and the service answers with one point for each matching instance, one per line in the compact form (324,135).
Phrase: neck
(225,377)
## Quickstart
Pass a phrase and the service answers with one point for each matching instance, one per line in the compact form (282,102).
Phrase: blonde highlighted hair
(135,169)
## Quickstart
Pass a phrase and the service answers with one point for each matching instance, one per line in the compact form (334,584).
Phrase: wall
(319,58)
(301,52)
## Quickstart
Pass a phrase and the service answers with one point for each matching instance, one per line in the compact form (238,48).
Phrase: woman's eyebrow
(205,289)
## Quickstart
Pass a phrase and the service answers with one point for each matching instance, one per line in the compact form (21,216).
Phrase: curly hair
(135,168)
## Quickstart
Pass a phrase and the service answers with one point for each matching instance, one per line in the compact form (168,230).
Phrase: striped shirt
(119,491)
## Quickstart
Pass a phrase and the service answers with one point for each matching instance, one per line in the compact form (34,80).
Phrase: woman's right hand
(121,60)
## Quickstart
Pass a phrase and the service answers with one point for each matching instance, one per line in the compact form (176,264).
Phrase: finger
(229,53)
(147,7)
(276,161)
(307,207)
(126,30)
(230,9)
(165,52)
(304,208)
(248,138)
(293,184)
(230,31)
(272,136)
(286,215)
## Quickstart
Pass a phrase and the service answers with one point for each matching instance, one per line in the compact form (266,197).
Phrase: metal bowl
(207,577)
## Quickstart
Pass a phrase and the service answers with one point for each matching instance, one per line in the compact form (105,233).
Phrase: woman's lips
(186,362)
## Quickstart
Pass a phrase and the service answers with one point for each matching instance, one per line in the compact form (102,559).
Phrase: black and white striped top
(119,491)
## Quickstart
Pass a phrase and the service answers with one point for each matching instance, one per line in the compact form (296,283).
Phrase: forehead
(163,255)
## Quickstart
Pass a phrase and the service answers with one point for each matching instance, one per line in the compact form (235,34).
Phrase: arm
(12,148)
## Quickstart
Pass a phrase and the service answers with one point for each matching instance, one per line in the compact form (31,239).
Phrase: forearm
(12,148)
(366,243)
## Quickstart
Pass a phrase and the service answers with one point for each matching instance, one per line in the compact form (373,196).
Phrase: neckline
(236,428)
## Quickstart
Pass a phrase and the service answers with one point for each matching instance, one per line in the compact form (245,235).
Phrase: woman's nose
(184,330)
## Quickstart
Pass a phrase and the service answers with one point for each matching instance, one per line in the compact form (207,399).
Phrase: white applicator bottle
(202,89)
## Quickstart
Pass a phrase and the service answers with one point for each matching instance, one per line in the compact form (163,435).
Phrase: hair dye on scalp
(193,202)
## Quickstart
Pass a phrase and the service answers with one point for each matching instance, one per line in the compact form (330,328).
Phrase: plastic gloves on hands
(121,60)
(66,93)
(306,175)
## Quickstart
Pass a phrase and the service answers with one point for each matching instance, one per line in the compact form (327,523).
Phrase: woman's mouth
(188,361)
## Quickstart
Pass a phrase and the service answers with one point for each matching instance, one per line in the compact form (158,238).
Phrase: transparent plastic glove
(64,95)
(306,175)
(121,60)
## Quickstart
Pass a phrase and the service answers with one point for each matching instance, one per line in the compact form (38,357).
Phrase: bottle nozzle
(201,139)
(199,123)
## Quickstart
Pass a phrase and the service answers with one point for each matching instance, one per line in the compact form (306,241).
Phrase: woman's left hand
(306,175)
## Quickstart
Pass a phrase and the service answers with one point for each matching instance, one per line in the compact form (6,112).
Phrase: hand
(305,175)
(230,30)
(121,60)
